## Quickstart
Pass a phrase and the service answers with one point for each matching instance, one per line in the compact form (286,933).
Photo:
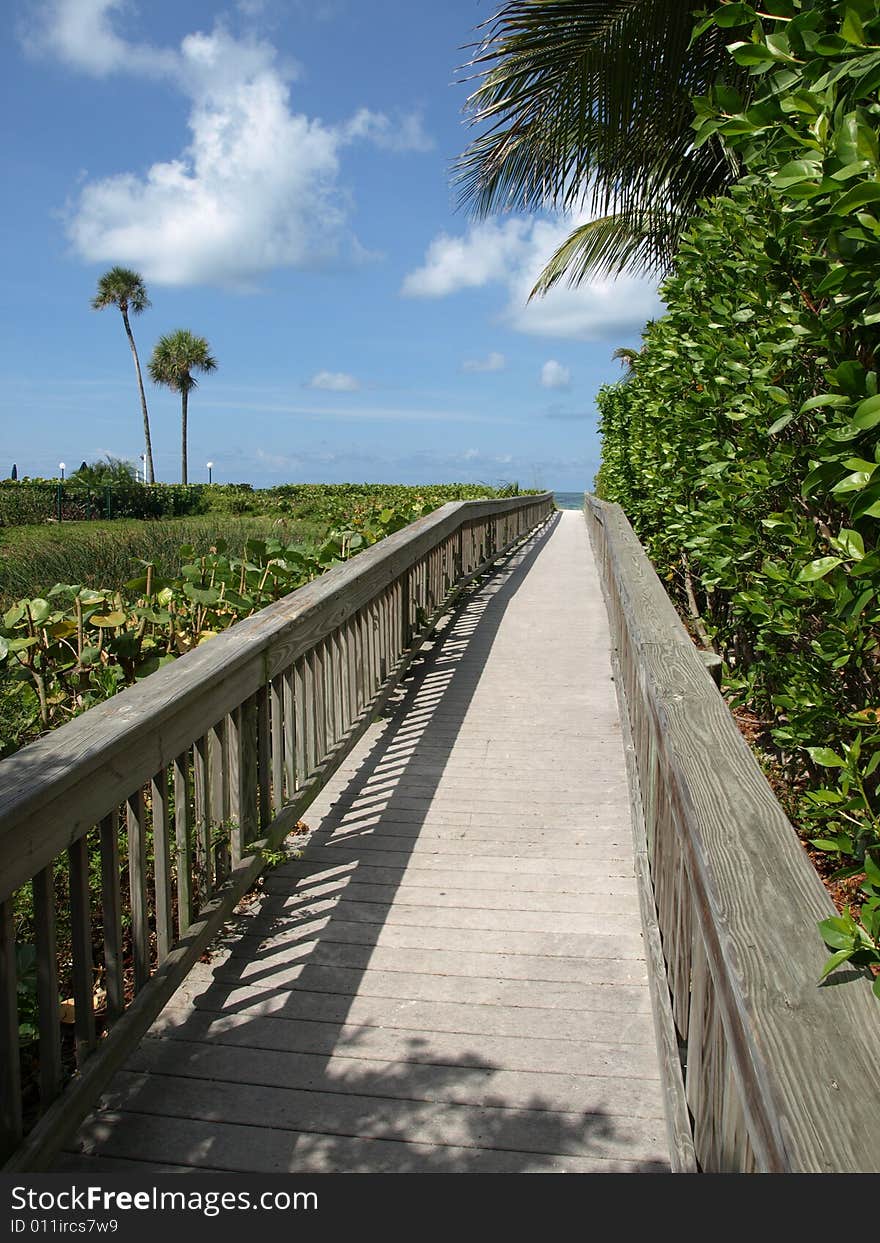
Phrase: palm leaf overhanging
(586,104)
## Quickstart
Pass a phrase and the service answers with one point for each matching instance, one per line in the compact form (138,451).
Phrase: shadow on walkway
(311,1047)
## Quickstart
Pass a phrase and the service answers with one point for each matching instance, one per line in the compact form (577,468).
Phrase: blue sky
(278,171)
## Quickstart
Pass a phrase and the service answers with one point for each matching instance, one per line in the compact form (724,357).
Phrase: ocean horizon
(569,500)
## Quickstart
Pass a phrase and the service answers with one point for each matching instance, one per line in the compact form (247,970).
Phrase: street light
(61,468)
(210,466)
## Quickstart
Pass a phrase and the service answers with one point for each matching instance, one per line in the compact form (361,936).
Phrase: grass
(105,554)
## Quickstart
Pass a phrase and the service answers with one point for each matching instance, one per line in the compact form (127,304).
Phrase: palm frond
(588,102)
(176,356)
(123,288)
(602,247)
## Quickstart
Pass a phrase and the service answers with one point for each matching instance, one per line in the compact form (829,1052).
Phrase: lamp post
(61,468)
(210,466)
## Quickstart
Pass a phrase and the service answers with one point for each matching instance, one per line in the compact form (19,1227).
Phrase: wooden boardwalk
(451,978)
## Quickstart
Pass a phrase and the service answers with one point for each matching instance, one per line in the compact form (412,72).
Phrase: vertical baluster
(348,710)
(344,708)
(351,670)
(374,648)
(340,665)
(297,685)
(249,777)
(111,907)
(363,656)
(394,620)
(393,623)
(406,607)
(10,1073)
(316,659)
(382,611)
(81,947)
(202,861)
(137,880)
(162,866)
(279,748)
(234,768)
(328,655)
(264,752)
(47,986)
(358,628)
(221,781)
(292,725)
(182,840)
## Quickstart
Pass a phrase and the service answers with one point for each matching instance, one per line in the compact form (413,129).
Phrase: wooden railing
(780,1074)
(162,800)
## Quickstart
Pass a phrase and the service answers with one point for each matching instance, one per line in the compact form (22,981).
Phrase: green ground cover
(91,607)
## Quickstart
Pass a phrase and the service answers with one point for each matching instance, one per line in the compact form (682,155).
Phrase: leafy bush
(745,443)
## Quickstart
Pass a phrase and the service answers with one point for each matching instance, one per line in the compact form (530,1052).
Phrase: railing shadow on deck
(292,1076)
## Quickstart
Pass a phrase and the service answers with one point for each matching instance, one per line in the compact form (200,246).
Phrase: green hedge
(745,443)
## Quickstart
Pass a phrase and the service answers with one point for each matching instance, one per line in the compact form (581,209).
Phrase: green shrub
(745,443)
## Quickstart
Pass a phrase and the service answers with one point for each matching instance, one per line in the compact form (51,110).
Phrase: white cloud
(80,34)
(492,362)
(405,133)
(486,253)
(554,375)
(512,254)
(335,381)
(257,186)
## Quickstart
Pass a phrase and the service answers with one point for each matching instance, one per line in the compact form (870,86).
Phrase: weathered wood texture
(229,745)
(780,1072)
(451,977)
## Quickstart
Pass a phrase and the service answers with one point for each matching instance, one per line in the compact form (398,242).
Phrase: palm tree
(587,104)
(175,357)
(123,288)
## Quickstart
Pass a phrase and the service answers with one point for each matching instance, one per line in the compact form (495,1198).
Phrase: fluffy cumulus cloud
(335,381)
(512,254)
(554,375)
(488,252)
(256,187)
(492,362)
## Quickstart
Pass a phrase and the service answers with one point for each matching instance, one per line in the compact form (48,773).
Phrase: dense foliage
(91,495)
(745,442)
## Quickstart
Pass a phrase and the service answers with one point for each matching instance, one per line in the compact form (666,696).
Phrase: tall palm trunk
(148,444)
(184,399)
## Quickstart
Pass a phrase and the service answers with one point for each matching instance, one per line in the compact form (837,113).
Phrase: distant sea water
(569,500)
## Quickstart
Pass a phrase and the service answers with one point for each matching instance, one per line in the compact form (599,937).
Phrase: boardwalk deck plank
(451,976)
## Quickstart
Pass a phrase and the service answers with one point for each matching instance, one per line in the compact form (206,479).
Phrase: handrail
(179,782)
(780,1074)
